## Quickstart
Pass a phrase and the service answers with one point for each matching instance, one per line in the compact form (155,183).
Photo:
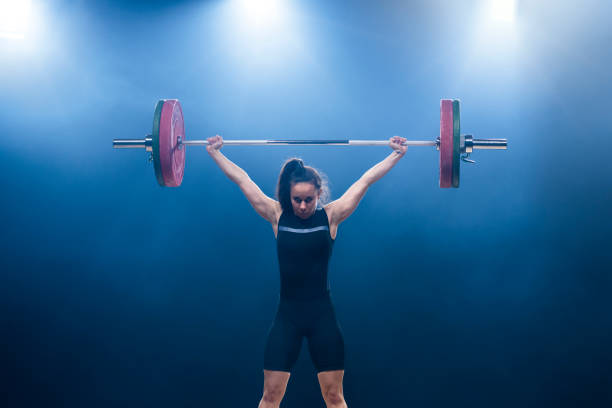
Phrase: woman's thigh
(283,344)
(326,343)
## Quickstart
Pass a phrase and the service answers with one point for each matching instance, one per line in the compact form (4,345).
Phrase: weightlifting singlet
(305,308)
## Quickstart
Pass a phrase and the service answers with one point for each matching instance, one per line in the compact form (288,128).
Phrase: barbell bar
(167,143)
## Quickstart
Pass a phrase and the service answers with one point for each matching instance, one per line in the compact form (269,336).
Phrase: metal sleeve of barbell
(129,143)
(490,144)
(312,142)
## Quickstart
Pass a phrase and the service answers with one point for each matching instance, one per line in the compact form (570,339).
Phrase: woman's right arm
(263,205)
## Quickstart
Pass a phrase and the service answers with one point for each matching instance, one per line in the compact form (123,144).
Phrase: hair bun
(296,164)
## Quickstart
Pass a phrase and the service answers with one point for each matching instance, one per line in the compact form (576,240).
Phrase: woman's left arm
(345,205)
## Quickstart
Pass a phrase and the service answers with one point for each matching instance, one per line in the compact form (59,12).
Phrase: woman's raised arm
(263,205)
(341,208)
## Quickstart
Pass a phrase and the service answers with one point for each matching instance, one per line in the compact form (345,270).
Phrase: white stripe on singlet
(303,230)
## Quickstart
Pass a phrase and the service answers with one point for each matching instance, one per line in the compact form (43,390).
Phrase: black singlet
(304,247)
(305,308)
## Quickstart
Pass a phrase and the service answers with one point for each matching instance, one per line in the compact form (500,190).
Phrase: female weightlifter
(305,229)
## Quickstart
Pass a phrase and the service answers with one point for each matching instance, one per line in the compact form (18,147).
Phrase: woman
(305,231)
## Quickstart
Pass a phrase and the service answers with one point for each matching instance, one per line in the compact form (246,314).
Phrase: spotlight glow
(503,10)
(264,33)
(261,13)
(14,18)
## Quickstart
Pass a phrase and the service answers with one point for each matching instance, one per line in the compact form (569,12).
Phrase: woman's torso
(304,247)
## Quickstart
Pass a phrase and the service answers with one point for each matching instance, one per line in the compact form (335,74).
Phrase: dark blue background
(117,292)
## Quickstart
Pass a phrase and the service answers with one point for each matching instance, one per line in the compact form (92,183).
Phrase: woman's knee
(331,387)
(272,397)
(333,398)
(275,384)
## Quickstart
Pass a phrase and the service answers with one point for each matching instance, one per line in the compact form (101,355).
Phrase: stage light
(503,10)
(14,18)
(261,13)
(261,32)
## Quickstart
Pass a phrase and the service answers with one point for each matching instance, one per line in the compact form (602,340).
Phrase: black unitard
(305,308)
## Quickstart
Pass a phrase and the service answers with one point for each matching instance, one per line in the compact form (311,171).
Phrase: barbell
(167,143)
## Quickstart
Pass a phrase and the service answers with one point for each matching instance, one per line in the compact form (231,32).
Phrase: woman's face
(304,198)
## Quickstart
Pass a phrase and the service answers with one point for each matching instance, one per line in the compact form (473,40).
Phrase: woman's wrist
(213,152)
(397,154)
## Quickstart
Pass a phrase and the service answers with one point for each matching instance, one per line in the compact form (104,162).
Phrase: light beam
(14,18)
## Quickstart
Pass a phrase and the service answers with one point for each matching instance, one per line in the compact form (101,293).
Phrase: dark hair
(294,171)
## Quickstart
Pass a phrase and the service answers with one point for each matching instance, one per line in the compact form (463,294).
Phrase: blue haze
(117,292)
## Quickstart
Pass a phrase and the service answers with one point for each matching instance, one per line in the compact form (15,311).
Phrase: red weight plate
(171,157)
(446,143)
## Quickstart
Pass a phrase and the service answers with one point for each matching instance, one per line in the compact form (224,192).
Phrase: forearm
(376,172)
(231,170)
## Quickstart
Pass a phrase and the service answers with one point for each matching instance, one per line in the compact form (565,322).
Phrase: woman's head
(299,188)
